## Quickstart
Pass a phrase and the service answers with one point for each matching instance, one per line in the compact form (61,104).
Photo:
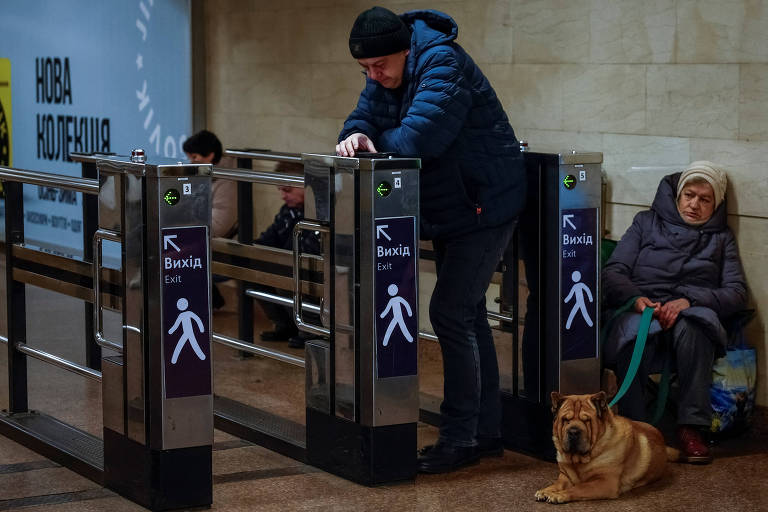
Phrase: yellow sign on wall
(6,145)
(6,142)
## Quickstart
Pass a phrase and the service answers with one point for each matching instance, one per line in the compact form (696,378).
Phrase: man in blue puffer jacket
(425,97)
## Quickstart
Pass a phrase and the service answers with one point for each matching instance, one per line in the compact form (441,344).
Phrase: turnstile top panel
(373,162)
(157,167)
(571,157)
(91,157)
(577,157)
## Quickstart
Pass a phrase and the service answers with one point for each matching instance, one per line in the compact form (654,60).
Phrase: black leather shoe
(490,447)
(279,334)
(443,458)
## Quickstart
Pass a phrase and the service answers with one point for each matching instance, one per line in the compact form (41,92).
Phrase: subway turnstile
(158,400)
(157,389)
(556,251)
(362,377)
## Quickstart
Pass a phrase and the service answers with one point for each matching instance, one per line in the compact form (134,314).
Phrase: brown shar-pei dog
(599,454)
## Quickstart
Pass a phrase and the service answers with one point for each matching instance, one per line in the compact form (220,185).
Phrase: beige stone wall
(652,84)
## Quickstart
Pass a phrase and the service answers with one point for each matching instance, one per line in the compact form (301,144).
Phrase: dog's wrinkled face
(579,421)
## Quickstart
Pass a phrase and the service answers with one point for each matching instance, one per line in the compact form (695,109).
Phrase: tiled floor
(248,477)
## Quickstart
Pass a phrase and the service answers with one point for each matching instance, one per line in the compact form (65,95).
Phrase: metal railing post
(90,224)
(244,236)
(15,299)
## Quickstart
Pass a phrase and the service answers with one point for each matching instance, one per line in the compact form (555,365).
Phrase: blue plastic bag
(733,390)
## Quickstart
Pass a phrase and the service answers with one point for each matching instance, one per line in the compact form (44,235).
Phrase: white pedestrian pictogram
(187,331)
(577,292)
(394,304)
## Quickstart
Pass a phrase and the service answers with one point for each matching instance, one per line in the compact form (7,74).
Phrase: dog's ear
(600,401)
(557,400)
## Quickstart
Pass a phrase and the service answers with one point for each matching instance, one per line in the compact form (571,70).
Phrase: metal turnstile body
(158,402)
(362,382)
(556,250)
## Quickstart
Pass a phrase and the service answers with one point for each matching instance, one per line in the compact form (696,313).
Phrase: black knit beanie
(378,32)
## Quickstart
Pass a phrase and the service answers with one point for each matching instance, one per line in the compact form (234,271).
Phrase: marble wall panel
(753,249)
(618,217)
(693,100)
(721,31)
(604,98)
(310,134)
(322,33)
(628,31)
(753,102)
(486,30)
(335,88)
(272,90)
(551,31)
(635,164)
(249,38)
(746,164)
(243,130)
(531,94)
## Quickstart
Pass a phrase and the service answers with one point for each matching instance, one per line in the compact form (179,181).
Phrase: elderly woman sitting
(680,258)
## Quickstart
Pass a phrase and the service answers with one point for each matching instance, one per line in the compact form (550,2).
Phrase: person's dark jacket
(280,233)
(663,258)
(447,114)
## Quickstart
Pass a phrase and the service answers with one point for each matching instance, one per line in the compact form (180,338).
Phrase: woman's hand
(667,315)
(644,302)
(355,143)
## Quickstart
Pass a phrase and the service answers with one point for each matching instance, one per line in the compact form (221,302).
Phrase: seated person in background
(280,234)
(681,259)
(205,148)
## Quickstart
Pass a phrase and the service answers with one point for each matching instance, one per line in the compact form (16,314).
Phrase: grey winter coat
(663,258)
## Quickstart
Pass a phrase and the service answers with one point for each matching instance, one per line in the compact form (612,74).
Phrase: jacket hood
(429,28)
(665,205)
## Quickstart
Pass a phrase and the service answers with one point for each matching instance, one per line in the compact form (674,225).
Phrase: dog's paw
(551,496)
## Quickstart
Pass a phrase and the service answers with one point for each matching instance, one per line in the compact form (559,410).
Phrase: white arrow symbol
(567,219)
(168,240)
(380,231)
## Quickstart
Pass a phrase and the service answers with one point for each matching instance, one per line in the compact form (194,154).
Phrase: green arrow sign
(569,181)
(384,189)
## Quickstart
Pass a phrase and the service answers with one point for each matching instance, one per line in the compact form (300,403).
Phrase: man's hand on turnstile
(354,143)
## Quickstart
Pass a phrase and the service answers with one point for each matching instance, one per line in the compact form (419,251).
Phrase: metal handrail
(60,362)
(268,178)
(98,332)
(255,349)
(84,185)
(279,299)
(499,317)
(427,336)
(273,156)
(298,317)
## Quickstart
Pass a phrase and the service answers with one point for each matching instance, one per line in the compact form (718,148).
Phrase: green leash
(637,354)
(661,398)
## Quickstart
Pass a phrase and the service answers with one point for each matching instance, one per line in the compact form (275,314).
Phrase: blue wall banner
(92,76)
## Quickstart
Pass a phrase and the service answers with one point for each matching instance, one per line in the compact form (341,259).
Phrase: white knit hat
(713,173)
